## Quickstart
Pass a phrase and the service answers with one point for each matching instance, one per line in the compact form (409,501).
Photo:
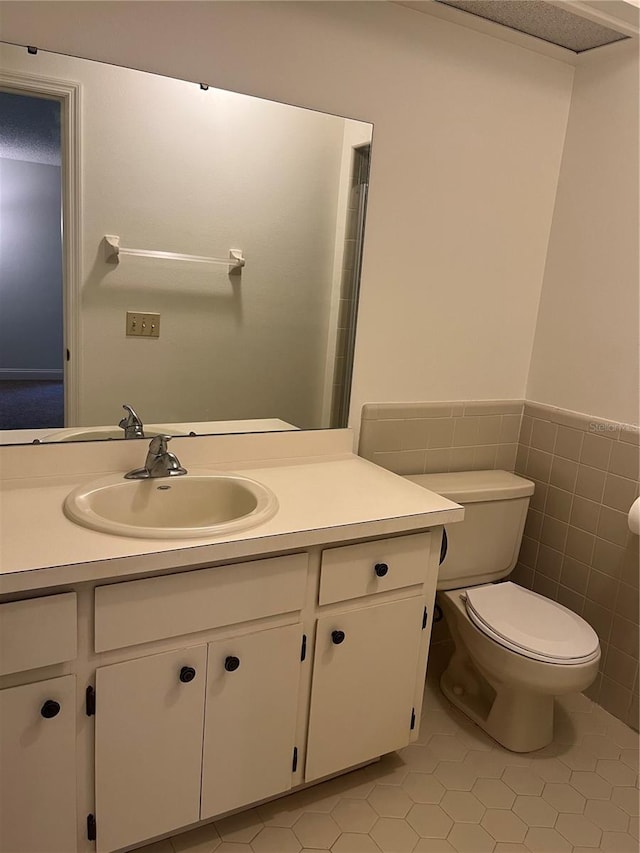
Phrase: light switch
(143,324)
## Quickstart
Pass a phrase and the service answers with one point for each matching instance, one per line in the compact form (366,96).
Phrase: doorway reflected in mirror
(31,301)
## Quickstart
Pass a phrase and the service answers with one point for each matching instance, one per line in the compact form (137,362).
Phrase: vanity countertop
(322,499)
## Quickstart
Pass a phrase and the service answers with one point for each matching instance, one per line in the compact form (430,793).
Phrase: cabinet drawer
(38,632)
(356,570)
(156,608)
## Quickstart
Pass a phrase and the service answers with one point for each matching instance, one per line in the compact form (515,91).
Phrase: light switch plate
(142,324)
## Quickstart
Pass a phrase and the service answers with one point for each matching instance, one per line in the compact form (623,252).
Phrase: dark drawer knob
(231,663)
(50,709)
(337,637)
(381,569)
(187,674)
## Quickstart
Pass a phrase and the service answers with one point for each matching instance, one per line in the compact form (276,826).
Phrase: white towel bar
(113,250)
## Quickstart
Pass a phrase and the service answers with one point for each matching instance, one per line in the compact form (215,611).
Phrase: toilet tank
(484,547)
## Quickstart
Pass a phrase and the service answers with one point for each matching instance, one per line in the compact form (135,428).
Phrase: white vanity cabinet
(250,718)
(38,726)
(206,727)
(362,699)
(215,688)
(193,733)
(335,637)
(370,654)
(38,767)
(148,747)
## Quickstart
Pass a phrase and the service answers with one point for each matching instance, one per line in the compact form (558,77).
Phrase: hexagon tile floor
(457,790)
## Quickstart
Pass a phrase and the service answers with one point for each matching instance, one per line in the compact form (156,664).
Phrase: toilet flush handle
(444,546)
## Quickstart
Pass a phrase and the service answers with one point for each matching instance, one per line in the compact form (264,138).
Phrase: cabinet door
(364,679)
(38,767)
(251,711)
(149,722)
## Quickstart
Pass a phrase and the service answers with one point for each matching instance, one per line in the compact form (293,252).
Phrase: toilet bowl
(514,649)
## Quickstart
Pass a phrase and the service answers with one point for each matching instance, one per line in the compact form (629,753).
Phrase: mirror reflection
(206,274)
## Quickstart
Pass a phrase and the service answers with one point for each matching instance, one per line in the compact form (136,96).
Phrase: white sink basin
(192,506)
(103,433)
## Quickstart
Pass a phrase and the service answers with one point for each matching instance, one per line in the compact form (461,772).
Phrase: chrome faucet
(132,425)
(159,462)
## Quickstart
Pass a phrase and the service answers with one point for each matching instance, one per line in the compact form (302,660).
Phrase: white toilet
(514,649)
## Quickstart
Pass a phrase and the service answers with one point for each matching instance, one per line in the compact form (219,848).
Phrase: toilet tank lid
(473,486)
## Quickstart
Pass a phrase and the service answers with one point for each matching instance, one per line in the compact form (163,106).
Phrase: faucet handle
(158,444)
(160,461)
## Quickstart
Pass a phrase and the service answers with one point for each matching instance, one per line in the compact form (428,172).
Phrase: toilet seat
(531,625)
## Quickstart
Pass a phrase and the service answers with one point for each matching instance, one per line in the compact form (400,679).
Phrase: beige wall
(585,356)
(468,139)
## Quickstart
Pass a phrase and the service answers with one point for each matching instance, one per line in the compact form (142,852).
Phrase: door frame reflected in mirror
(67,94)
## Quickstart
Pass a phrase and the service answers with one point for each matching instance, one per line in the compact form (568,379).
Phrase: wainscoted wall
(577,548)
(419,438)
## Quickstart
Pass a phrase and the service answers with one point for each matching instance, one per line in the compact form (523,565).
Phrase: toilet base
(520,721)
(508,695)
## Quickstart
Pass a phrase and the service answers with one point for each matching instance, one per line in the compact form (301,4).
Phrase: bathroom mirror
(208,269)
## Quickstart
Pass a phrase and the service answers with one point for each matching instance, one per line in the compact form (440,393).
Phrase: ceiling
(576,25)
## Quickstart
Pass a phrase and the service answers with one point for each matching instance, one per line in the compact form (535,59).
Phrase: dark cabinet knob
(187,674)
(337,637)
(231,663)
(381,569)
(50,709)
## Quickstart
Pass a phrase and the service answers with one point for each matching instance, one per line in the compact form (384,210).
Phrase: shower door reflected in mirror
(177,169)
